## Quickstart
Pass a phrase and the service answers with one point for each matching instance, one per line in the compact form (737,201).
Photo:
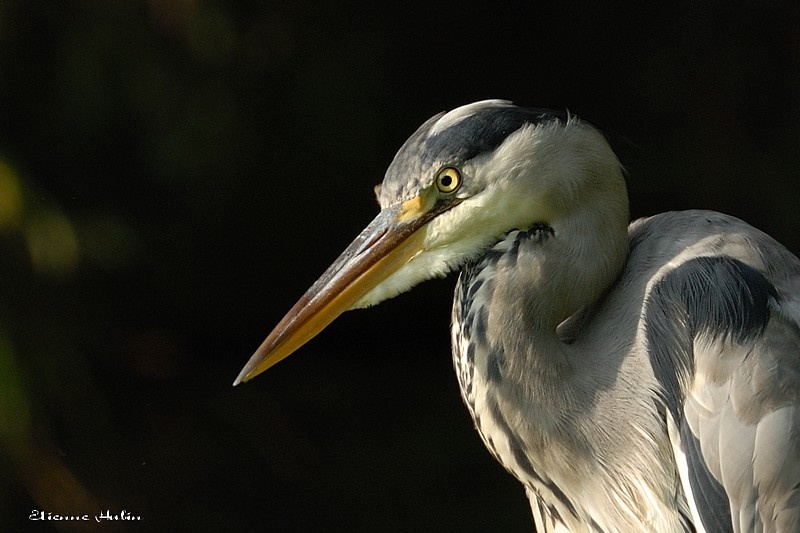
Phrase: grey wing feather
(749,440)
(725,343)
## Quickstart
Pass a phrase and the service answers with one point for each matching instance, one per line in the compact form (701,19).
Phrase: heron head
(455,187)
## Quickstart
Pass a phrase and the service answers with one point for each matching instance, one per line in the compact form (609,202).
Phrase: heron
(638,376)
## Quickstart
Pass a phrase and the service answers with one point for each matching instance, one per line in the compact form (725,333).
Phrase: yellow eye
(448,180)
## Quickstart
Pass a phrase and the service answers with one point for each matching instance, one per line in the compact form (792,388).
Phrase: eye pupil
(446,180)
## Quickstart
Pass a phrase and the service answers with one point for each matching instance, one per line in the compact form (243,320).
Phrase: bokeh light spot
(10,199)
(52,244)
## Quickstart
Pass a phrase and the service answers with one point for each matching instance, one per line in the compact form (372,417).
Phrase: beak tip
(254,367)
(245,374)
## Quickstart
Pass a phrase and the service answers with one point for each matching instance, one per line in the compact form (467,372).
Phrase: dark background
(175,173)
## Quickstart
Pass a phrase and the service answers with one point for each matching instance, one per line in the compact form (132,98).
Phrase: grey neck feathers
(553,277)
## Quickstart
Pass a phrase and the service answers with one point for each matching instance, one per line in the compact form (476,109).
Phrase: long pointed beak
(386,244)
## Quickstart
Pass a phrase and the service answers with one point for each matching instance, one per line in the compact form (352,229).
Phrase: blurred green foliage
(174,173)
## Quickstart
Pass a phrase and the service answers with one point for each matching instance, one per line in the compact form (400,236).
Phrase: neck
(551,277)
